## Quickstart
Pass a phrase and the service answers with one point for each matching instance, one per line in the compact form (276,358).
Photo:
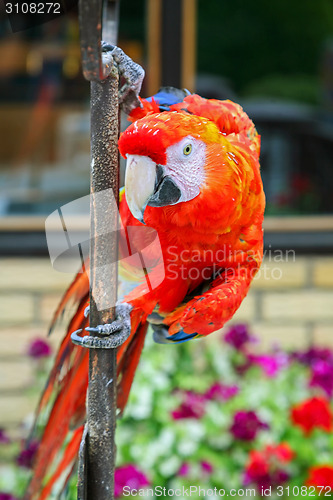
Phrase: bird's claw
(106,329)
(110,335)
(131,73)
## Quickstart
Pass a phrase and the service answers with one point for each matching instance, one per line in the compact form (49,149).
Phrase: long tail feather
(68,408)
(68,381)
(67,461)
(128,365)
(64,352)
(76,291)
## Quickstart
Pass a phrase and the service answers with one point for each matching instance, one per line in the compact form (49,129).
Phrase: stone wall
(291,302)
(29,292)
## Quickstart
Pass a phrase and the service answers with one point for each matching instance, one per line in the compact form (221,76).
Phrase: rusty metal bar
(98,19)
(97,452)
(101,404)
(90,22)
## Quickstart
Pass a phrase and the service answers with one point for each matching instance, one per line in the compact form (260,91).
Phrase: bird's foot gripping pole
(131,77)
(110,335)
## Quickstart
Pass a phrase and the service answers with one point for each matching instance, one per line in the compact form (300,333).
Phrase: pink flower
(39,348)
(322,376)
(193,406)
(184,470)
(221,392)
(206,467)
(270,364)
(246,425)
(131,476)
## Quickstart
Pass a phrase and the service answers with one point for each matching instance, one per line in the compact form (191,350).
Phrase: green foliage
(302,88)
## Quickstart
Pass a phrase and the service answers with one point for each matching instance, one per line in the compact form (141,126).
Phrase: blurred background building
(276,59)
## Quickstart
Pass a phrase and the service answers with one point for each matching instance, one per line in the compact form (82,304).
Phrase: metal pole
(101,404)
(97,451)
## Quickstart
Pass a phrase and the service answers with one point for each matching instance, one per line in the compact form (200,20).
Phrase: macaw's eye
(187,149)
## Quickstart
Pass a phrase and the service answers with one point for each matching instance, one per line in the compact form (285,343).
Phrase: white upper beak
(139,183)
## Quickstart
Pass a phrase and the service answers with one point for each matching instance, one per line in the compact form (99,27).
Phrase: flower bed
(218,414)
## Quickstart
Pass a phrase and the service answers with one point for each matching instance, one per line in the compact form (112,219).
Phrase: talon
(131,72)
(106,329)
(86,312)
(91,329)
(113,334)
(107,47)
(76,339)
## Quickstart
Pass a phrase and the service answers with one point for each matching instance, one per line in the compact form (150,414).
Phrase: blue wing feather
(167,96)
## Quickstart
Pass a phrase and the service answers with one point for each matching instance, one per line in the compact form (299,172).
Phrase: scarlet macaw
(193,176)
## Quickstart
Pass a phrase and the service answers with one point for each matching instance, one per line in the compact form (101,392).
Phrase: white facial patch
(185,164)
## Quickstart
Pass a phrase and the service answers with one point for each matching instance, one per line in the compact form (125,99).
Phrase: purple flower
(193,406)
(221,392)
(206,467)
(6,496)
(246,425)
(280,476)
(4,438)
(314,354)
(184,470)
(238,336)
(322,376)
(269,480)
(242,368)
(128,475)
(27,455)
(39,348)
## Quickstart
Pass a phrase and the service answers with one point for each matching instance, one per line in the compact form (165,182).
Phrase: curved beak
(146,184)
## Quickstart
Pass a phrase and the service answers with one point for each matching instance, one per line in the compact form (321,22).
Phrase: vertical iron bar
(99,19)
(97,450)
(97,453)
(101,405)
(90,21)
